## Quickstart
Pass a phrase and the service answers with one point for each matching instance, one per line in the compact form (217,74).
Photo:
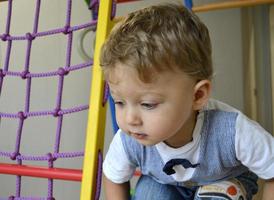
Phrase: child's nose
(133,117)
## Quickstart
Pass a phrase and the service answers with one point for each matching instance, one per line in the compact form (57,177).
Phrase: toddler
(158,65)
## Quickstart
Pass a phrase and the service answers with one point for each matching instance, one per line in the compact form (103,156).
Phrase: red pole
(41,172)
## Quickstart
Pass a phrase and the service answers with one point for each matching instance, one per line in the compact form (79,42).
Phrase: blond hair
(159,38)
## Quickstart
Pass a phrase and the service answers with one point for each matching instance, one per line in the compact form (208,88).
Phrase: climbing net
(27,74)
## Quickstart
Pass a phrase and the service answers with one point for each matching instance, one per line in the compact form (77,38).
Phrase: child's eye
(119,103)
(149,106)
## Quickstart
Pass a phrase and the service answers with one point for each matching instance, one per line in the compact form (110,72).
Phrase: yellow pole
(97,112)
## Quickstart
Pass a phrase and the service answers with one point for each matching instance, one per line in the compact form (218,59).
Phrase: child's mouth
(139,136)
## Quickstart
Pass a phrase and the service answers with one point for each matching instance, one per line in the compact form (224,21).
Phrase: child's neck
(185,136)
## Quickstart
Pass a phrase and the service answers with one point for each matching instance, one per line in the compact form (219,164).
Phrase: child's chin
(147,143)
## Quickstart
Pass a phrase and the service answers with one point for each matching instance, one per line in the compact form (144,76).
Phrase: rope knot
(2,74)
(56,112)
(14,155)
(5,36)
(24,74)
(29,36)
(51,158)
(66,29)
(62,71)
(21,115)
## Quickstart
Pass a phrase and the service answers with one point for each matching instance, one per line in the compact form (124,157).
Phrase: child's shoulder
(214,104)
(217,113)
(241,120)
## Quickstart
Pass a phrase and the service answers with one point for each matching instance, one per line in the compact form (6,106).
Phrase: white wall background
(49,53)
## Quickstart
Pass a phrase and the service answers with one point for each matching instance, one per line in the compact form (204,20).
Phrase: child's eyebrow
(154,94)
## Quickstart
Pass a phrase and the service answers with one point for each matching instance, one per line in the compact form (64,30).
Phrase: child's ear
(202,91)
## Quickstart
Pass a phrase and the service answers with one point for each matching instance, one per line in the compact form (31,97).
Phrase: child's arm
(116,191)
(268,191)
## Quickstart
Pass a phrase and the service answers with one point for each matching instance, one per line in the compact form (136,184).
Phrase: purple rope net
(58,111)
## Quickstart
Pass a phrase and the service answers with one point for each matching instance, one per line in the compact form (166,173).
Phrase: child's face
(154,112)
